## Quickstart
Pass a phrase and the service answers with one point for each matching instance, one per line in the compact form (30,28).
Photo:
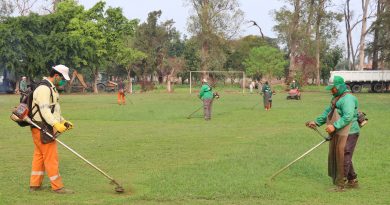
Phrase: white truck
(376,80)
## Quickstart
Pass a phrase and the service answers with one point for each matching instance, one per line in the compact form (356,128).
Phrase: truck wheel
(356,88)
(378,87)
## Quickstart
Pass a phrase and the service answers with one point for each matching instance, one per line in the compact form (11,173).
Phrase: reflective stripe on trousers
(45,158)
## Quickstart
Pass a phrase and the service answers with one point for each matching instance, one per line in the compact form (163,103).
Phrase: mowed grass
(152,149)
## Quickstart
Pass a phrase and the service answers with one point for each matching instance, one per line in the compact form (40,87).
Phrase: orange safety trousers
(121,98)
(45,158)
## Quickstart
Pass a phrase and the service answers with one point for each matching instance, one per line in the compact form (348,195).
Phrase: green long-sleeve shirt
(266,88)
(347,108)
(205,92)
(23,86)
(294,86)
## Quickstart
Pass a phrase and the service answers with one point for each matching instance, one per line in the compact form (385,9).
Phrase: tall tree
(153,38)
(289,32)
(213,20)
(363,33)
(348,29)
(386,32)
(320,15)
(265,61)
(88,31)
(305,29)
(378,33)
(127,58)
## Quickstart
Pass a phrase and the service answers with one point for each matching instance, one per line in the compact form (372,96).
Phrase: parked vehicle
(376,80)
(104,84)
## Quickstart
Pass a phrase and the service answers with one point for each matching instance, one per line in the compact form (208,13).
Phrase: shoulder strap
(334,101)
(45,83)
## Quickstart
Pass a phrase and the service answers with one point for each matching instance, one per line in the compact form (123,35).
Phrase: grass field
(168,159)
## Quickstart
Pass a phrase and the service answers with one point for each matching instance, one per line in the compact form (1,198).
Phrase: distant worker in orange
(46,112)
(121,93)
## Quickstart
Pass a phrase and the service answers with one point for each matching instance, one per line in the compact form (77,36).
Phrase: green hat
(337,81)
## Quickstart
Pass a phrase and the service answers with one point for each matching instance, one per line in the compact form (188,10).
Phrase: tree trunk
(130,84)
(169,88)
(169,81)
(347,29)
(363,33)
(95,80)
(307,47)
(205,24)
(318,41)
(17,91)
(375,44)
(294,40)
(351,58)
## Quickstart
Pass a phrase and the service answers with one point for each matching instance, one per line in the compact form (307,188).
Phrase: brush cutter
(215,96)
(189,116)
(303,155)
(20,113)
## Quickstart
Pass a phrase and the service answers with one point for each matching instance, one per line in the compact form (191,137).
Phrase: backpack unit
(24,109)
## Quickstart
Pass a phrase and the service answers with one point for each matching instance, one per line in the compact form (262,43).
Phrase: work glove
(311,124)
(60,127)
(330,129)
(67,124)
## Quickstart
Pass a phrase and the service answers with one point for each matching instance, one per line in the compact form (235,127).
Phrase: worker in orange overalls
(46,112)
(121,93)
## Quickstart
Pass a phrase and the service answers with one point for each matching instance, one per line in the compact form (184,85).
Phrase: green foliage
(265,61)
(153,39)
(239,50)
(86,40)
(384,25)
(329,61)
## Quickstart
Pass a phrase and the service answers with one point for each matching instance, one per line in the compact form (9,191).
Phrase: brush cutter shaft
(195,111)
(300,157)
(74,152)
(325,138)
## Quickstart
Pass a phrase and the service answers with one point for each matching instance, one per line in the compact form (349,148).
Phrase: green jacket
(294,86)
(266,89)
(347,107)
(205,92)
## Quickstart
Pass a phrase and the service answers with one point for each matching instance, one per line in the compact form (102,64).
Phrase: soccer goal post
(231,76)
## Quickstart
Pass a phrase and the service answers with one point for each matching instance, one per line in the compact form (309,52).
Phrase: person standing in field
(46,113)
(252,86)
(294,85)
(23,87)
(267,96)
(206,95)
(121,92)
(342,125)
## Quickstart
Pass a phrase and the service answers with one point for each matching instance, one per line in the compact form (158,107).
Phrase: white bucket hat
(63,70)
